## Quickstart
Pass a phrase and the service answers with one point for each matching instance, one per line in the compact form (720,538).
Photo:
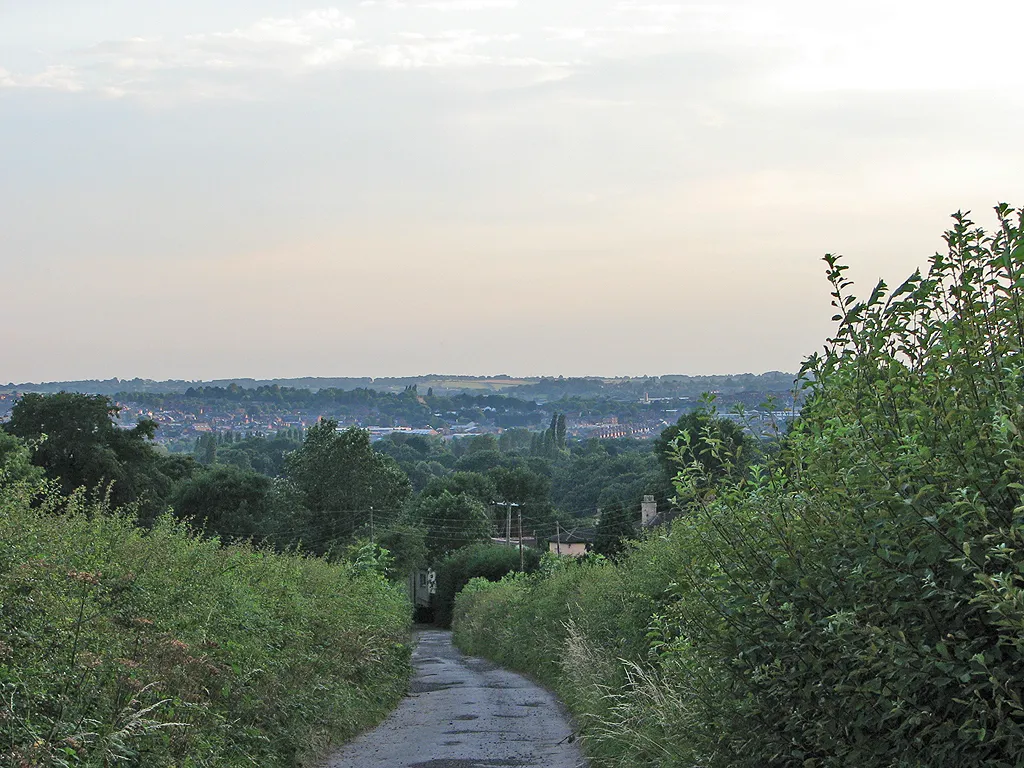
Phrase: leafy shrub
(488,561)
(157,648)
(856,600)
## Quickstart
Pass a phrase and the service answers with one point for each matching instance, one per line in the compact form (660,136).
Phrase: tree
(451,522)
(480,487)
(515,439)
(262,454)
(419,443)
(344,483)
(618,523)
(560,432)
(422,472)
(480,461)
(718,445)
(531,490)
(77,442)
(483,444)
(16,462)
(206,449)
(407,545)
(227,501)
(599,472)
(552,441)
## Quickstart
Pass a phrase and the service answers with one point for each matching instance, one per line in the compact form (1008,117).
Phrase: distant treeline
(773,382)
(547,387)
(292,397)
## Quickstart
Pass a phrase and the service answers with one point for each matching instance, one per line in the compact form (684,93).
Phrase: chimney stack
(648,511)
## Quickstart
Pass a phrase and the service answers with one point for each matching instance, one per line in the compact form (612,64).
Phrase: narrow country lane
(465,713)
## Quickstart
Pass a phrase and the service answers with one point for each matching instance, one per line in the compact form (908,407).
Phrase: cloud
(594,36)
(467,5)
(57,77)
(252,57)
(442,5)
(450,48)
(661,12)
(808,49)
(301,31)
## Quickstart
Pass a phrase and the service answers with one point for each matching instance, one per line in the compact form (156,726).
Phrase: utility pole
(371,526)
(520,511)
(558,538)
(508,522)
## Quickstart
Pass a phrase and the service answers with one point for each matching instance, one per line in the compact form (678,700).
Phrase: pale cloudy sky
(216,188)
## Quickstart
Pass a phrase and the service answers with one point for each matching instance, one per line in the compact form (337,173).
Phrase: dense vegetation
(857,599)
(151,647)
(477,561)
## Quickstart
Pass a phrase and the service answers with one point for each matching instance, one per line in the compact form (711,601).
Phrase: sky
(199,189)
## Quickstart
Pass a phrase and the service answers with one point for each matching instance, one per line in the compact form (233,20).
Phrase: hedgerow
(123,646)
(487,561)
(859,600)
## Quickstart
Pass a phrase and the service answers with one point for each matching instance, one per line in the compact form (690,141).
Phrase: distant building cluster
(175,425)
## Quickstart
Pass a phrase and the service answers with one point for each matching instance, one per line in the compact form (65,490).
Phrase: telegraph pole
(508,523)
(558,538)
(520,511)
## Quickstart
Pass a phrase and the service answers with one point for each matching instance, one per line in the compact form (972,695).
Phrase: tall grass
(126,647)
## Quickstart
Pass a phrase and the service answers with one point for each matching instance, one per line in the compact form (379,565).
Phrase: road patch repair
(464,712)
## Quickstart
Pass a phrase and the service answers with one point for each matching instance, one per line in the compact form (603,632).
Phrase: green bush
(157,648)
(488,561)
(855,601)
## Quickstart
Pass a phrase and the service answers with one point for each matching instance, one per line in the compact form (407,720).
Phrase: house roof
(575,536)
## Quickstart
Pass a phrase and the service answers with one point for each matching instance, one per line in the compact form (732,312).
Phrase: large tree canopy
(451,521)
(76,441)
(344,484)
(474,484)
(227,501)
(718,445)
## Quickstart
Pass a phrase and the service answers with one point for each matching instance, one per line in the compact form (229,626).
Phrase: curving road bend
(465,713)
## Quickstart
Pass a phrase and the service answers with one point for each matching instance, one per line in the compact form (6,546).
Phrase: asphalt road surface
(463,712)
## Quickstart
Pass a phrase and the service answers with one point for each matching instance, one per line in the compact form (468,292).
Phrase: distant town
(450,407)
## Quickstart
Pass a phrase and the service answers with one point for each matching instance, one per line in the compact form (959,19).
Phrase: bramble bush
(132,647)
(858,599)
